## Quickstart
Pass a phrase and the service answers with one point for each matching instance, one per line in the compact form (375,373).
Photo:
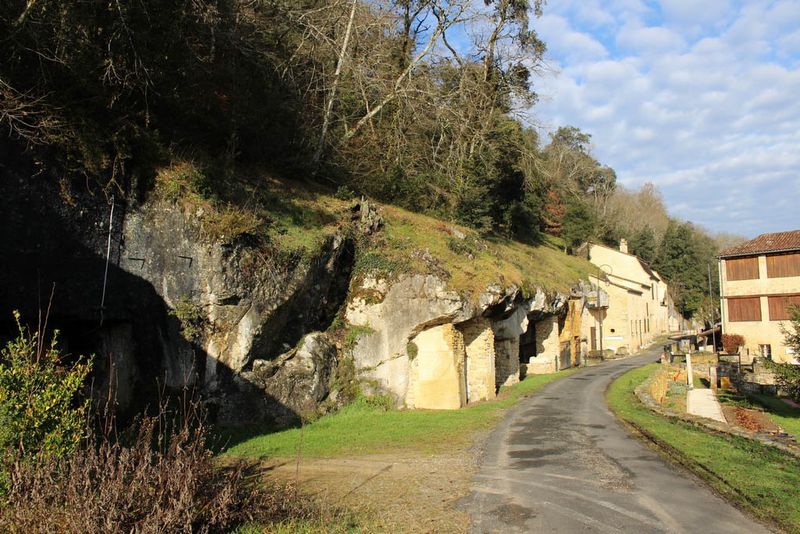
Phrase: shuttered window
(779,306)
(742,268)
(783,265)
(744,309)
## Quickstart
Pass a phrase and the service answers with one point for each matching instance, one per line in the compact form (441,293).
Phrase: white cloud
(649,39)
(702,101)
(575,45)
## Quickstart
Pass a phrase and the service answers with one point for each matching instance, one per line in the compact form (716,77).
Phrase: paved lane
(560,462)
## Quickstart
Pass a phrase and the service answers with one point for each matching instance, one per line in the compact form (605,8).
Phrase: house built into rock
(431,348)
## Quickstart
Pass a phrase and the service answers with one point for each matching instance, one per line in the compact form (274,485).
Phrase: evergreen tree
(683,262)
(579,224)
(643,244)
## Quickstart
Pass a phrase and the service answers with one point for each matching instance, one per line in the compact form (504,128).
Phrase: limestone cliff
(259,328)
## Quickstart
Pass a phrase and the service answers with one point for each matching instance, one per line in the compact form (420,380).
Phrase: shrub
(161,482)
(787,378)
(791,333)
(158,476)
(732,342)
(40,410)
(192,317)
(229,223)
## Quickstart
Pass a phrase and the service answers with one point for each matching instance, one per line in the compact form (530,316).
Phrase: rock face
(241,322)
(295,382)
(249,302)
(409,306)
(430,347)
(256,307)
(436,373)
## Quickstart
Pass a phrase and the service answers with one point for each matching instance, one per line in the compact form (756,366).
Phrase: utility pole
(599,307)
(600,312)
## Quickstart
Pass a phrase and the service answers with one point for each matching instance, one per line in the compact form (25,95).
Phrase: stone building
(759,280)
(638,301)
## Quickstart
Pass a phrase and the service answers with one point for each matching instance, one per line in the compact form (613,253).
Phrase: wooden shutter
(782,265)
(744,309)
(742,268)
(779,306)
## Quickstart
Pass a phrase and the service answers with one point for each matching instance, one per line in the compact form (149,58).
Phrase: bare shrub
(732,342)
(161,481)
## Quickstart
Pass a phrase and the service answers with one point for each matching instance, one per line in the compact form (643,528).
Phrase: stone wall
(479,345)
(506,362)
(436,378)
(547,347)
(506,346)
(571,331)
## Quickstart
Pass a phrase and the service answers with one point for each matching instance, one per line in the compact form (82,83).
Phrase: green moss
(192,317)
(352,335)
(412,350)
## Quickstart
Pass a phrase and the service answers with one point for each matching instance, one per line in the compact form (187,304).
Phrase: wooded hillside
(426,104)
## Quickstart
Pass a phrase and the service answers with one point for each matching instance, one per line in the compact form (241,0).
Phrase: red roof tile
(777,242)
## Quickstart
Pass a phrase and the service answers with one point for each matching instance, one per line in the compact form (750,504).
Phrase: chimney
(623,245)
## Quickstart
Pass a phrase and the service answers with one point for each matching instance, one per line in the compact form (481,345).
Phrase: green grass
(761,479)
(781,413)
(364,427)
(474,262)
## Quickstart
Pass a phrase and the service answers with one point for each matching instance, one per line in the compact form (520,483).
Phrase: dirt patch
(410,492)
(749,420)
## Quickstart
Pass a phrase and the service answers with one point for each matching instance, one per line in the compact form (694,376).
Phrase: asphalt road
(561,462)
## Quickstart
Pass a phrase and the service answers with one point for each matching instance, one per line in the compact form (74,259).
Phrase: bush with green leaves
(787,376)
(41,410)
(791,333)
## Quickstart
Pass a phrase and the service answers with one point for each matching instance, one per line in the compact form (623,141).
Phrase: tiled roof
(777,242)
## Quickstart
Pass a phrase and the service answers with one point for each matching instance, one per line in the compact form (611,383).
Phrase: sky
(701,98)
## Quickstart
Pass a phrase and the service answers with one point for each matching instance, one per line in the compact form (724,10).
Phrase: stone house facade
(638,301)
(759,281)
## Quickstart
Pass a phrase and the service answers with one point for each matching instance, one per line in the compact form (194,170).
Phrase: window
(782,265)
(779,306)
(744,309)
(742,268)
(765,351)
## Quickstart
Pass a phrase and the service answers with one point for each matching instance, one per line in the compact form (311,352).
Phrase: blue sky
(701,98)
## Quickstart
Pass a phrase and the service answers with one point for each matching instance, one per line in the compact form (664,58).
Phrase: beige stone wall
(571,332)
(635,313)
(547,347)
(436,378)
(506,361)
(761,286)
(479,346)
(764,332)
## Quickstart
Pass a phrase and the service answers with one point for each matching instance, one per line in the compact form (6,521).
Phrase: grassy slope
(492,260)
(363,428)
(760,479)
(297,217)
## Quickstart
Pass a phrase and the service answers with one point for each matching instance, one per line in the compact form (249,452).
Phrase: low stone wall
(541,365)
